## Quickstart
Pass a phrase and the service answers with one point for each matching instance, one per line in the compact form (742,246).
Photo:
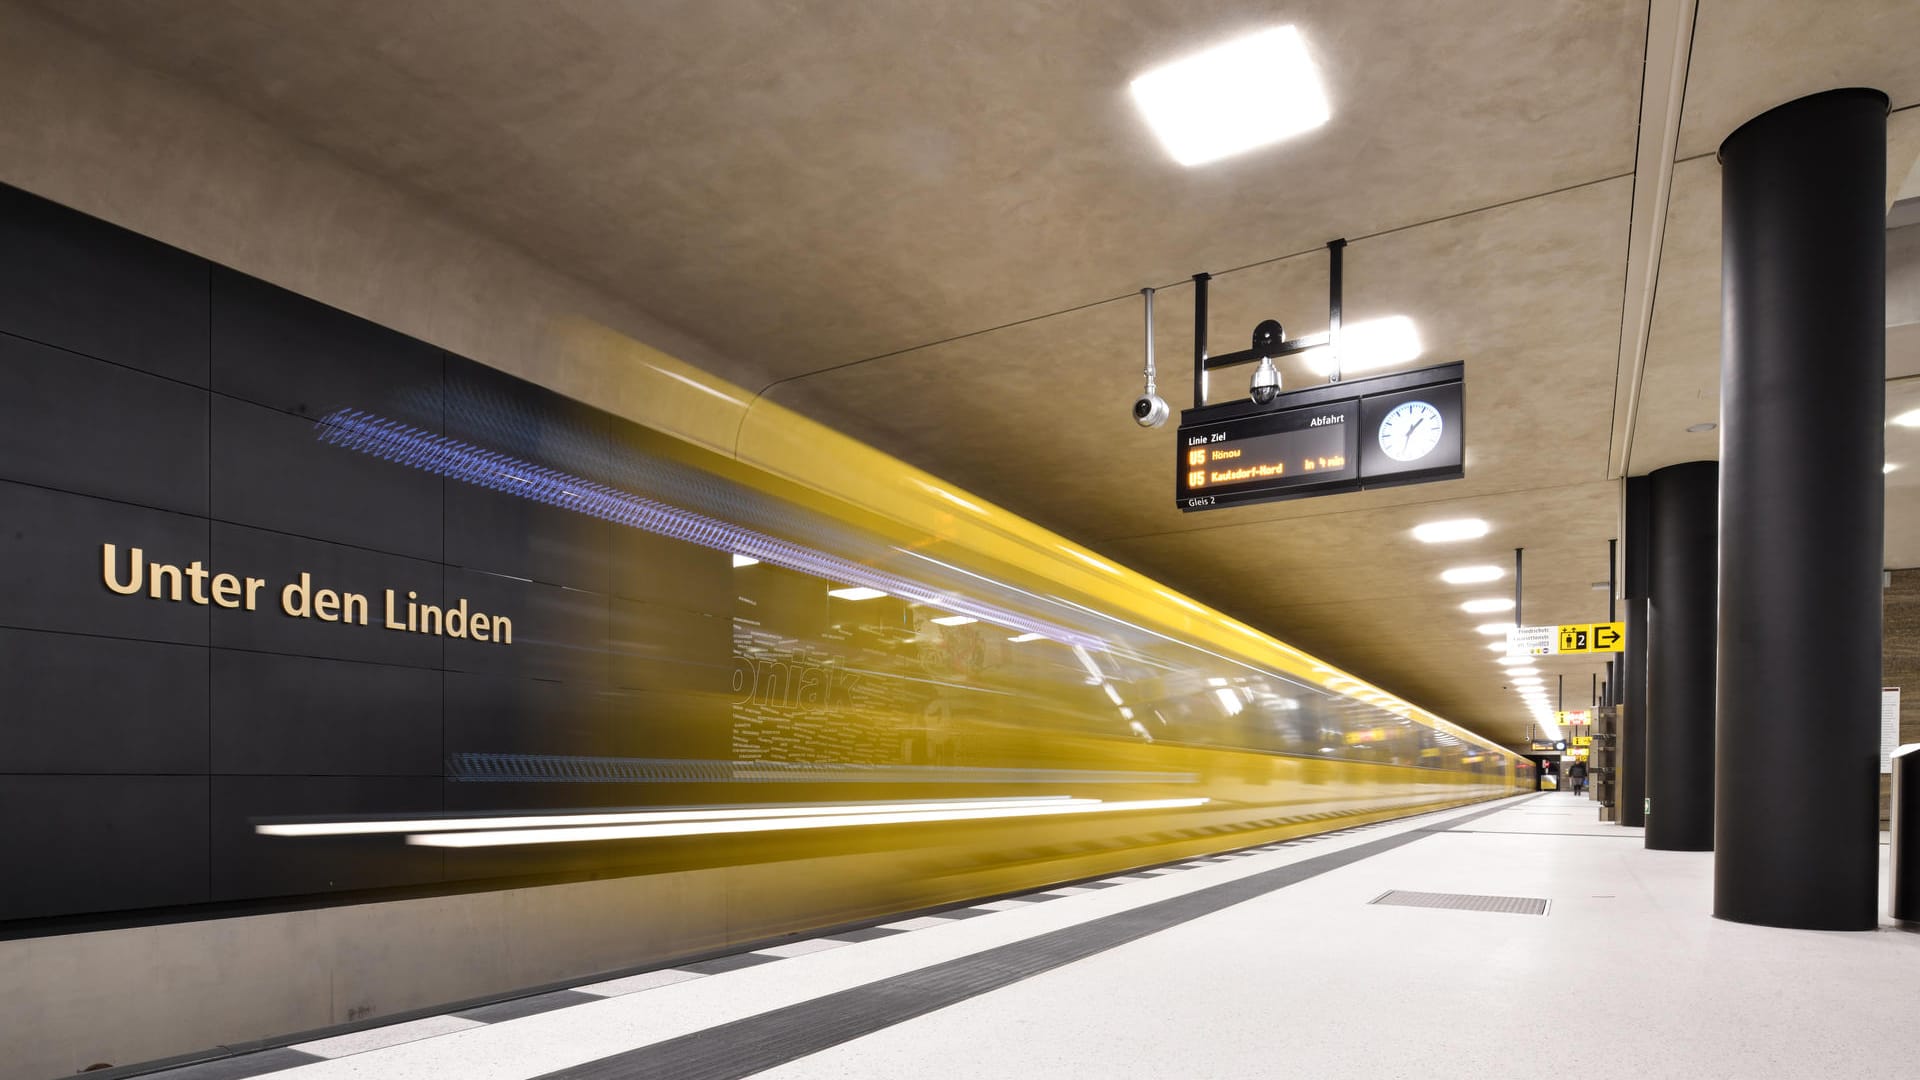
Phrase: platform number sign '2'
(1575,638)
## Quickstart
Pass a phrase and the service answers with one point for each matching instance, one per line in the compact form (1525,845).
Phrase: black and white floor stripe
(277,1059)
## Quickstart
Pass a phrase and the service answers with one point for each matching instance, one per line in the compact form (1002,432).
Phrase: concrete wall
(143,151)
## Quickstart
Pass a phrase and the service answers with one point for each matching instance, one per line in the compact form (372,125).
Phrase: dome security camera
(1266,381)
(1266,378)
(1150,410)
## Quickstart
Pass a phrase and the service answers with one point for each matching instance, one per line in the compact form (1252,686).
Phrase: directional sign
(1606,637)
(1533,640)
(1593,637)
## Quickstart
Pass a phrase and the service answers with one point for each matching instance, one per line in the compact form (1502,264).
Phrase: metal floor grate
(1511,905)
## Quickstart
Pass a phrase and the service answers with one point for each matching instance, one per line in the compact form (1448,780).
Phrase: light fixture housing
(1368,345)
(1472,575)
(954,620)
(1444,532)
(744,560)
(1910,418)
(1487,605)
(1238,96)
(1492,628)
(856,592)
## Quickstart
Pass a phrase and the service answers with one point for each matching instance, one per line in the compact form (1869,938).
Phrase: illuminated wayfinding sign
(1603,637)
(1404,428)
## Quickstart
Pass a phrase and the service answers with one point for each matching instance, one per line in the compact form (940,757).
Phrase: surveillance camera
(1149,410)
(1266,381)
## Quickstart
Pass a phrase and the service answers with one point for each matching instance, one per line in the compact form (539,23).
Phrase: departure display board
(1259,456)
(1403,428)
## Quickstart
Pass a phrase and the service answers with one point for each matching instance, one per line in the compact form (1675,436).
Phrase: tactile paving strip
(1511,905)
(262,1062)
(757,1043)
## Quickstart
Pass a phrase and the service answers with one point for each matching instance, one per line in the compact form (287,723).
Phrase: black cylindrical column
(1802,404)
(1681,615)
(1631,777)
(1903,869)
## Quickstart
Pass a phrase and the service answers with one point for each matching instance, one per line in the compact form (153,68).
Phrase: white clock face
(1410,431)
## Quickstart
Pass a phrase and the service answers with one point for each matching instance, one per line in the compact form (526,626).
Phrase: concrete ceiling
(925,224)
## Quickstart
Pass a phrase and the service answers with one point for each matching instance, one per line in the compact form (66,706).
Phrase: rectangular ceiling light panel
(1247,93)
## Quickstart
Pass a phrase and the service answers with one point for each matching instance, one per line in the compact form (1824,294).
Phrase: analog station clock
(1410,431)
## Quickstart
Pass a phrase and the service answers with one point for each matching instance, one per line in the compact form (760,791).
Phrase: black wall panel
(78,424)
(486,714)
(270,470)
(81,284)
(93,843)
(101,705)
(655,647)
(497,533)
(303,715)
(289,353)
(662,570)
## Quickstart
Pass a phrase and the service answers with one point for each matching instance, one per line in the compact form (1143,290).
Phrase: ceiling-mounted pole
(1200,339)
(1147,294)
(1516,587)
(1334,250)
(1613,593)
(1613,581)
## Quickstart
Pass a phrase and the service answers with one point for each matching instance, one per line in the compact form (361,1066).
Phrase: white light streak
(512,837)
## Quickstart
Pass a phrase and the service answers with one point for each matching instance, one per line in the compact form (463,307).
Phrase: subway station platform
(1484,941)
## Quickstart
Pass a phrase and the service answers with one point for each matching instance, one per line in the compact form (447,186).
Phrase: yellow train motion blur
(893,640)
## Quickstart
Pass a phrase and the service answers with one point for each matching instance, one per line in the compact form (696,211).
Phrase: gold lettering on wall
(135,574)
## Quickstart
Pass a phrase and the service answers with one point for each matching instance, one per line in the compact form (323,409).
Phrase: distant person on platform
(1577,776)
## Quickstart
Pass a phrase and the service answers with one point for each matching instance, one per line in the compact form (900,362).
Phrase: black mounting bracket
(1269,340)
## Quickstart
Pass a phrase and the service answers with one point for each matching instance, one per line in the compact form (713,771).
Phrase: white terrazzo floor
(1627,974)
